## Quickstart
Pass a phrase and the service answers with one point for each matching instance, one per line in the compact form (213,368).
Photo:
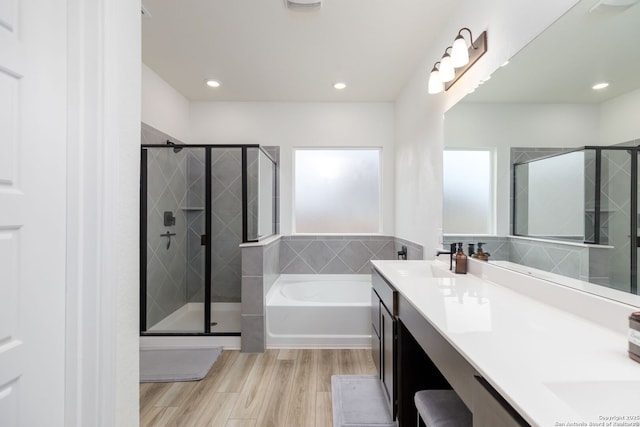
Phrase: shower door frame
(206,239)
(634,152)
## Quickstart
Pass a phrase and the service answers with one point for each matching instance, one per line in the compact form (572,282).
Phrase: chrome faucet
(450,252)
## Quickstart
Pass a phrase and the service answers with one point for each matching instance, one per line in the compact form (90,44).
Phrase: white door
(32,211)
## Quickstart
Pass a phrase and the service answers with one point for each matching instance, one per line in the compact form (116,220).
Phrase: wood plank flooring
(278,388)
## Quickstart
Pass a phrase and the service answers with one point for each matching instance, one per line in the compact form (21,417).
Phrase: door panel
(32,211)
(11,218)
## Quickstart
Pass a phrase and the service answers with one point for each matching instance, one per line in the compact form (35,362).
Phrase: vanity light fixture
(435,82)
(340,85)
(447,73)
(462,58)
(212,83)
(600,85)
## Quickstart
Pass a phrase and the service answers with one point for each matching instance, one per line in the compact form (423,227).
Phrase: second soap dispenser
(461,261)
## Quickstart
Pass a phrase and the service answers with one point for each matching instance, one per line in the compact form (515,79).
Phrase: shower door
(199,203)
(172,225)
(226,225)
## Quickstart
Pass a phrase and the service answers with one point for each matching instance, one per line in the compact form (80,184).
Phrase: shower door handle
(203,240)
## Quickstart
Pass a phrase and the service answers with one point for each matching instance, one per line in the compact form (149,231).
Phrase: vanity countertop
(554,367)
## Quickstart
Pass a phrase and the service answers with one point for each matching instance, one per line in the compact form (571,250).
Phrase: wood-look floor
(278,388)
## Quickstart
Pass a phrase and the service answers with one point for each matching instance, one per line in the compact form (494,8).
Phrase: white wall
(502,126)
(290,125)
(619,119)
(163,107)
(419,116)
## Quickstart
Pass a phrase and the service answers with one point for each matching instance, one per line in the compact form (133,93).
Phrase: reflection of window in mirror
(337,191)
(469,191)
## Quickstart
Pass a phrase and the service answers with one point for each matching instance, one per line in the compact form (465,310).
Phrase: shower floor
(190,318)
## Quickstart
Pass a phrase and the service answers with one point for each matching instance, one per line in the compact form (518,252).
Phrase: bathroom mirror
(541,103)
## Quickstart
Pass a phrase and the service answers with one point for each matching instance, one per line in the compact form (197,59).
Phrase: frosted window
(337,191)
(469,206)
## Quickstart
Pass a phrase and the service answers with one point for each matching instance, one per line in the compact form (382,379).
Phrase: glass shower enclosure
(588,195)
(198,204)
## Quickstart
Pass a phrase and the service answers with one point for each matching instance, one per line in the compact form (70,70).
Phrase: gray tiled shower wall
(261,266)
(166,266)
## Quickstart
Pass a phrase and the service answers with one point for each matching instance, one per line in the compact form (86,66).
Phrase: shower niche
(198,203)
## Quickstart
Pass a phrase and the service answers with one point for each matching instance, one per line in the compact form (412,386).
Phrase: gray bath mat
(176,364)
(358,400)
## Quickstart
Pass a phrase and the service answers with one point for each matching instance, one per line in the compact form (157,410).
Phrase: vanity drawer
(388,295)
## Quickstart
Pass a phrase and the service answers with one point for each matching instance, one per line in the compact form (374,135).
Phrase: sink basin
(422,269)
(593,399)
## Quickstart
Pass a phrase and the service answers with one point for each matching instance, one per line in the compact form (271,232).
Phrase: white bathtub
(323,310)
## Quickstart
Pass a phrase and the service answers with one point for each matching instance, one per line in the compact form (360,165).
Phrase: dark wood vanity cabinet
(384,335)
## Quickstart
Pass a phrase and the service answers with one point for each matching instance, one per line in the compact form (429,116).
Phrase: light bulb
(435,82)
(212,83)
(339,85)
(459,52)
(447,73)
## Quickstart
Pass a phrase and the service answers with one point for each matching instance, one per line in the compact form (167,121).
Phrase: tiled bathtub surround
(260,269)
(498,247)
(339,254)
(262,263)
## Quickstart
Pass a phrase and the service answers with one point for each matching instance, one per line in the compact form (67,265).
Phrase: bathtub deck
(277,388)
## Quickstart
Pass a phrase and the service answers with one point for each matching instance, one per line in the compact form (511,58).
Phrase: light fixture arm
(470,36)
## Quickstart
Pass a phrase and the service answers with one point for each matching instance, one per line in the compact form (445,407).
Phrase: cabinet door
(388,356)
(375,332)
(376,353)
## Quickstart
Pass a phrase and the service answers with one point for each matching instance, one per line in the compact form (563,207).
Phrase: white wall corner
(163,107)
(102,222)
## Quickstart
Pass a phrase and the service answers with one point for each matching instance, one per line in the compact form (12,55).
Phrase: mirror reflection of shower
(199,203)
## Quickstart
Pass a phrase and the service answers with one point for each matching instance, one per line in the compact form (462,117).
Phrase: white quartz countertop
(554,367)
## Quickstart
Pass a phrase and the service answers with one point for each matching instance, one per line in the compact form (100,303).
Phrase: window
(337,191)
(469,201)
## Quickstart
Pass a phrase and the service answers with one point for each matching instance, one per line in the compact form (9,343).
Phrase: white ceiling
(261,51)
(562,64)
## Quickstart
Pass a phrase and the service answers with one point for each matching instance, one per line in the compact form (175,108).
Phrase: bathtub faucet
(450,252)
(402,254)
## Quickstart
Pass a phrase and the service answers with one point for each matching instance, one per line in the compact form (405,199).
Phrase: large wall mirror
(542,105)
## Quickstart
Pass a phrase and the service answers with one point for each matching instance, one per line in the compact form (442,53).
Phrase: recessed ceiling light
(340,85)
(212,83)
(600,85)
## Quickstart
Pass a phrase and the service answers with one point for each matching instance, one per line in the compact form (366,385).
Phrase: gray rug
(359,401)
(176,364)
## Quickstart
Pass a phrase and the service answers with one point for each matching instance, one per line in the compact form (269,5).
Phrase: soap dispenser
(461,261)
(481,254)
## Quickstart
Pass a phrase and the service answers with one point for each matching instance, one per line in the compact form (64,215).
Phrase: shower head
(173,144)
